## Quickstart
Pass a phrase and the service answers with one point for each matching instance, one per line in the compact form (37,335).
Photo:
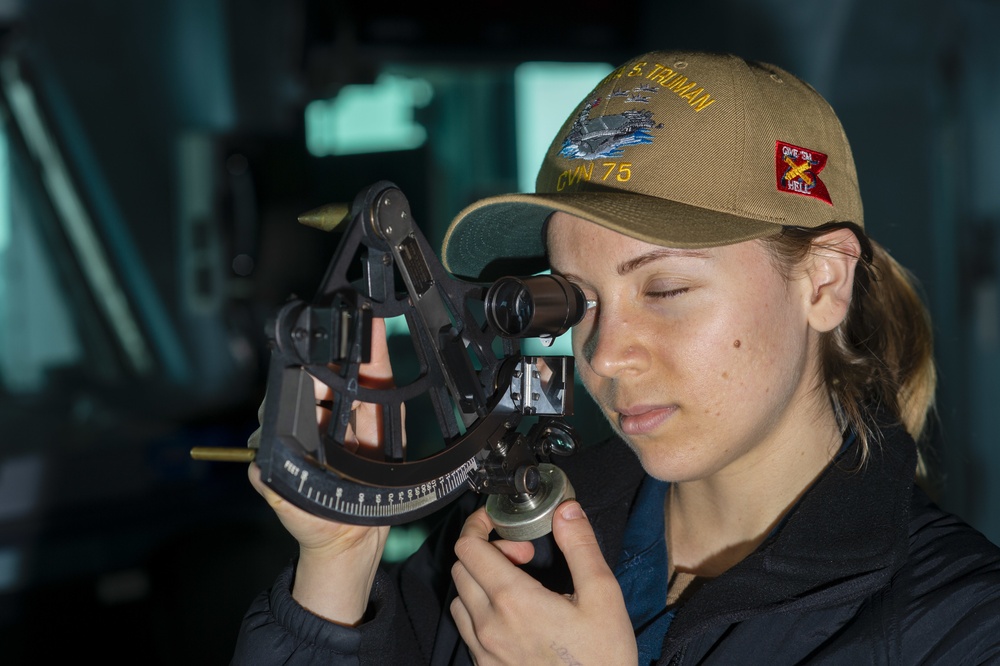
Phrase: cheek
(714,364)
(741,354)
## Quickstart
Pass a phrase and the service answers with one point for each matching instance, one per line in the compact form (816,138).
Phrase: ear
(830,272)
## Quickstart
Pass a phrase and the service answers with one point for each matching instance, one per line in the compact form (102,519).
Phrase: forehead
(566,234)
(577,246)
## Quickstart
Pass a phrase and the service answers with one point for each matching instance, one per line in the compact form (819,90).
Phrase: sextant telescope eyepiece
(534,307)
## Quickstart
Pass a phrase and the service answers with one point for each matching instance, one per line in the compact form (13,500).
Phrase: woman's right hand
(337,562)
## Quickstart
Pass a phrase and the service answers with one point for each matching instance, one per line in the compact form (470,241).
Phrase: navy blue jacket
(864,570)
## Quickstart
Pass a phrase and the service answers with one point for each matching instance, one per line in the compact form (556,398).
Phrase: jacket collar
(843,539)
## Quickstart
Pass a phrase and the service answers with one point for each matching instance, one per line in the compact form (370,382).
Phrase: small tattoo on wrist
(564,655)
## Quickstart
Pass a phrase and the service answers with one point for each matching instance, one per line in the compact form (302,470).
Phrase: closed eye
(668,293)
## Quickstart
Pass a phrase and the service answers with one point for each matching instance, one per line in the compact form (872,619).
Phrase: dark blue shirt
(642,570)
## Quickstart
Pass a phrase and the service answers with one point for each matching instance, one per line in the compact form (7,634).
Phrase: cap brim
(503,235)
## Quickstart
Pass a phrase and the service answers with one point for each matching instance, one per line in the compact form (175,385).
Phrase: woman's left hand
(507,617)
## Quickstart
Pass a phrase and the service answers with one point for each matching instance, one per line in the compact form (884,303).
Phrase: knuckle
(580,538)
(506,602)
(492,639)
(462,546)
(456,607)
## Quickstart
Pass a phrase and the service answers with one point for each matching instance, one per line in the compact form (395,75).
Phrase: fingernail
(572,511)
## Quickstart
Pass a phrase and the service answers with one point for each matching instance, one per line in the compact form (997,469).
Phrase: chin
(663,463)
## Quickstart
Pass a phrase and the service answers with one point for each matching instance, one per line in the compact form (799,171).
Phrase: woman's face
(702,360)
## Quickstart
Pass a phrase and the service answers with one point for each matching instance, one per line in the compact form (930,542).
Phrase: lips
(643,419)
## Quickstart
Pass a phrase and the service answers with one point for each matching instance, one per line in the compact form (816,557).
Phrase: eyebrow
(635,263)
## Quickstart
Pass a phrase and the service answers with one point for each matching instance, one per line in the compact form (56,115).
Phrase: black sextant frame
(480,385)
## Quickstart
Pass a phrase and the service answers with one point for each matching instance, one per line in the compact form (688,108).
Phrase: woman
(766,369)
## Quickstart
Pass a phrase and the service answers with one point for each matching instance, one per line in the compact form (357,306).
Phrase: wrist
(334,580)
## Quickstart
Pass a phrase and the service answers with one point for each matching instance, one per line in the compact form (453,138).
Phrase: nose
(612,345)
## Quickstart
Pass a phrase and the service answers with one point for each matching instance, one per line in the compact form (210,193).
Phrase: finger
(253,441)
(488,564)
(472,543)
(367,423)
(370,420)
(377,373)
(516,552)
(466,629)
(474,598)
(463,621)
(253,473)
(260,410)
(474,540)
(576,539)
(273,498)
(477,526)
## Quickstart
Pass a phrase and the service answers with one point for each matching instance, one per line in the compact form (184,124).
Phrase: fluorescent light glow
(77,222)
(545,93)
(5,222)
(10,568)
(403,541)
(368,118)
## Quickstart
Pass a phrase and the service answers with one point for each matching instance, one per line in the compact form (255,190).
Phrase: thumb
(576,539)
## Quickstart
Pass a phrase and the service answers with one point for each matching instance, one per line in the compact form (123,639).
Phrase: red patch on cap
(797,171)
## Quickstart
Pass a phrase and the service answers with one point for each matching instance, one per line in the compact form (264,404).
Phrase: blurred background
(154,157)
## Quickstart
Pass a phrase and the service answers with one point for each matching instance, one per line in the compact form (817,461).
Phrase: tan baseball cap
(681,149)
